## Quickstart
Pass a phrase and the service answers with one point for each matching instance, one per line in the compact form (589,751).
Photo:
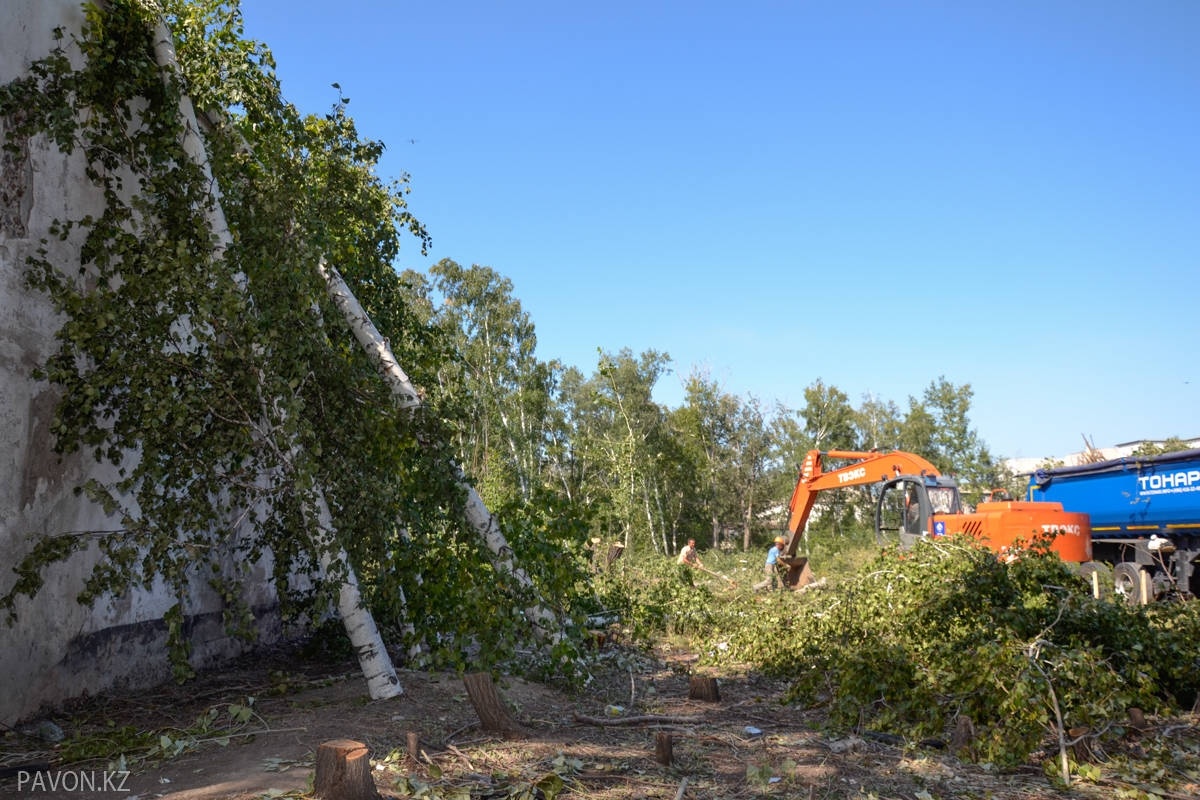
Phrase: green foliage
(1171,444)
(919,638)
(209,369)
(653,595)
(939,428)
(128,746)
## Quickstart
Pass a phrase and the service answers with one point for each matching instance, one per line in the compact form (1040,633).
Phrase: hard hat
(780,540)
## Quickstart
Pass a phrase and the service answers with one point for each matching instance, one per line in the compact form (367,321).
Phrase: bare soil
(600,740)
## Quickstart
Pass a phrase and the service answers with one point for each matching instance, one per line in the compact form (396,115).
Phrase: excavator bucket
(799,573)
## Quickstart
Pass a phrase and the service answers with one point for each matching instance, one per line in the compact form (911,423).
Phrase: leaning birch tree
(480,518)
(360,626)
(199,335)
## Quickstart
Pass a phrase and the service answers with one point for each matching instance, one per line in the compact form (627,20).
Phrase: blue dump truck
(1145,515)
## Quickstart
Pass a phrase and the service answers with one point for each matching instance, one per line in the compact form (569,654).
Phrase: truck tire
(1127,582)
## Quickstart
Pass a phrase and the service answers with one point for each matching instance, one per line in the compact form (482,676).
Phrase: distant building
(1027,466)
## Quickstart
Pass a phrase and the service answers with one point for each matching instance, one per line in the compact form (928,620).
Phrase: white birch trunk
(546,624)
(360,625)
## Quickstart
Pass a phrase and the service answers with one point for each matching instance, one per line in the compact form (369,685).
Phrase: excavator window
(891,516)
(912,512)
(944,500)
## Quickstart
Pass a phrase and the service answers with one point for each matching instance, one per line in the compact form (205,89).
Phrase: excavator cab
(907,505)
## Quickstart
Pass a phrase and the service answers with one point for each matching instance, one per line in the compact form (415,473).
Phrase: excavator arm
(863,468)
(1001,525)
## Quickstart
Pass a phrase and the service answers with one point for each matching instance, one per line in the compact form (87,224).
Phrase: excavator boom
(865,468)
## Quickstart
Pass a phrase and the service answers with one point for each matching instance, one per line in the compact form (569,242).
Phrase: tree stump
(963,737)
(662,748)
(703,687)
(343,772)
(493,714)
(799,573)
(1082,745)
(412,742)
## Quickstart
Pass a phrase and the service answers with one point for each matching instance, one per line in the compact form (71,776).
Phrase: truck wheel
(1127,582)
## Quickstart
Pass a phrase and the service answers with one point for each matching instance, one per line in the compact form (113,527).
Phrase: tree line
(716,468)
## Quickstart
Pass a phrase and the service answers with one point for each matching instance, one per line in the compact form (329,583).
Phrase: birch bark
(546,624)
(364,636)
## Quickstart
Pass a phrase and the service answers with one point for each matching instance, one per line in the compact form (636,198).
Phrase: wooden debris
(644,719)
(1081,744)
(847,745)
(343,771)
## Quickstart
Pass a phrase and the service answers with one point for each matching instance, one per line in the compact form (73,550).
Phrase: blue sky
(873,194)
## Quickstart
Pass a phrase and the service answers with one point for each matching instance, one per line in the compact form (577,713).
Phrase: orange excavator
(916,502)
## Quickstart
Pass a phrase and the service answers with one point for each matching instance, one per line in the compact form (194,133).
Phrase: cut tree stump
(343,771)
(663,752)
(703,687)
(963,737)
(493,714)
(1081,745)
(799,573)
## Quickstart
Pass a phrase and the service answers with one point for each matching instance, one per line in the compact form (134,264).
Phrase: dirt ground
(599,741)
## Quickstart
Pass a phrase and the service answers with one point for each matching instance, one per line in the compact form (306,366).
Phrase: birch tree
(619,429)
(496,374)
(222,361)
(477,513)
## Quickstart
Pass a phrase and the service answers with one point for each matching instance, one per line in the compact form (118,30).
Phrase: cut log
(703,687)
(343,772)
(663,748)
(643,719)
(493,714)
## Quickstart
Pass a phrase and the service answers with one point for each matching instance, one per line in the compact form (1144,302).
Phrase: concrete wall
(57,649)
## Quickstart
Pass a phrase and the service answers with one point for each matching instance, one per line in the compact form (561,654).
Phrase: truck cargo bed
(1132,496)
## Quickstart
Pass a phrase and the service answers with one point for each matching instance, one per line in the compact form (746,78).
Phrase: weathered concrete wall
(56,649)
